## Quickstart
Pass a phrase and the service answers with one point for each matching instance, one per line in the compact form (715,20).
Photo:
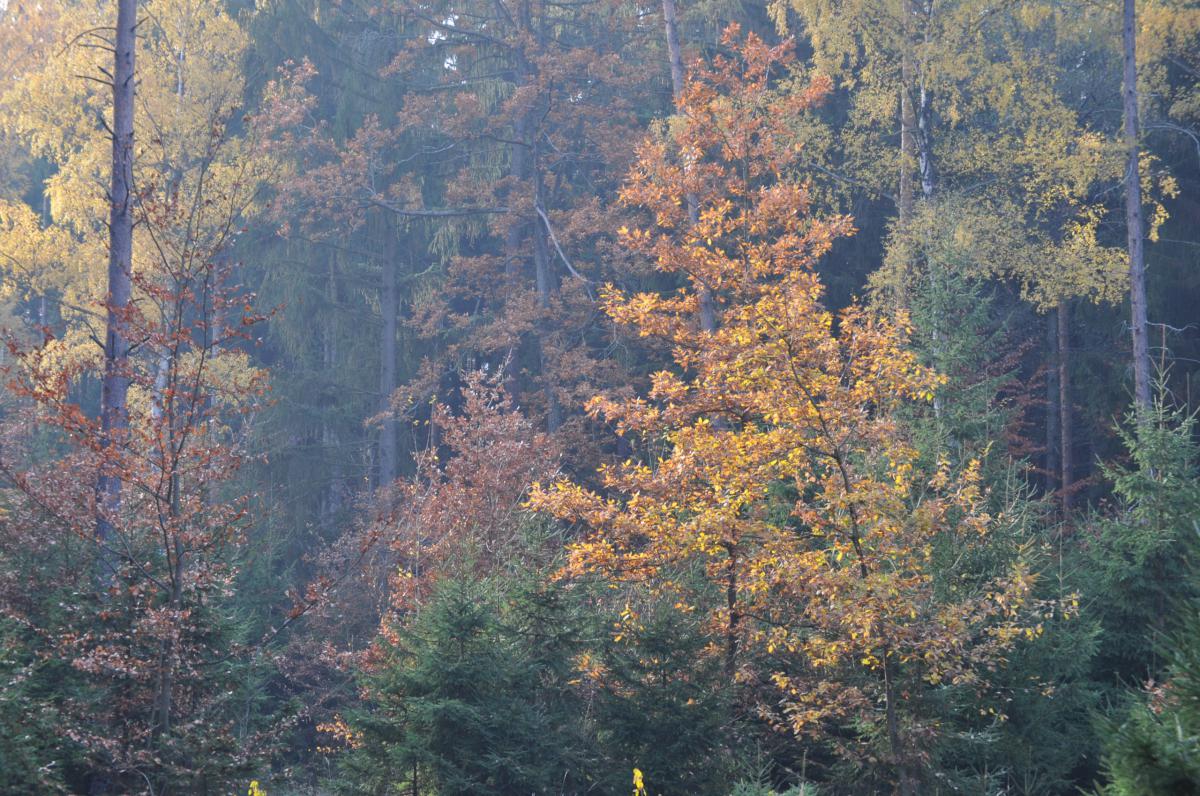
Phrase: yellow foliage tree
(784,474)
(971,110)
(196,184)
(163,544)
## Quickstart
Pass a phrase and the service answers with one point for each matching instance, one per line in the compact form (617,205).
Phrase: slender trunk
(674,51)
(1064,406)
(896,750)
(542,278)
(924,111)
(329,436)
(543,285)
(1052,405)
(708,311)
(1133,218)
(114,412)
(731,598)
(158,395)
(905,785)
(925,162)
(166,670)
(518,157)
(163,414)
(517,171)
(388,306)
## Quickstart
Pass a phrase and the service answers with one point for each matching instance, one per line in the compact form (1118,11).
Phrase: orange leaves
(467,510)
(786,477)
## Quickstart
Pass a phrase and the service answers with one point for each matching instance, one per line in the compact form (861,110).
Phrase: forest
(563,397)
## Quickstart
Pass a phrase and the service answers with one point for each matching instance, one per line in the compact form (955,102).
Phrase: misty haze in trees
(523,397)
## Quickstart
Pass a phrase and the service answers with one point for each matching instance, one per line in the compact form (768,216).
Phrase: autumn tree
(460,514)
(153,644)
(1156,38)
(954,120)
(155,659)
(491,164)
(800,504)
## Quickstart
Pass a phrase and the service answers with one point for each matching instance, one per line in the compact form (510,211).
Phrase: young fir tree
(474,696)
(1154,748)
(1138,567)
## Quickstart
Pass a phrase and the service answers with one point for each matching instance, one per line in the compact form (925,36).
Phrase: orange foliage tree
(463,510)
(138,626)
(461,513)
(781,469)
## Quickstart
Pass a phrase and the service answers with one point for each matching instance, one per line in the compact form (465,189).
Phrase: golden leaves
(786,478)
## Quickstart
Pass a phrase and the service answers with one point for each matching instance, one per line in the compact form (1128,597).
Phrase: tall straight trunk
(388,308)
(708,311)
(731,605)
(925,161)
(513,237)
(330,440)
(545,287)
(114,390)
(674,50)
(165,686)
(926,168)
(518,170)
(908,150)
(1133,217)
(923,143)
(904,776)
(916,113)
(1052,403)
(1066,436)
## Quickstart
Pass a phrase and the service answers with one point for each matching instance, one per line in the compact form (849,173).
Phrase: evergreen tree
(1138,563)
(474,698)
(1154,748)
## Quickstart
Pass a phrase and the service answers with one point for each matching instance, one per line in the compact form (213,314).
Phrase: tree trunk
(518,170)
(908,124)
(674,51)
(731,601)
(1064,407)
(904,779)
(517,158)
(330,441)
(544,285)
(708,312)
(388,308)
(1052,464)
(1133,218)
(924,113)
(541,265)
(114,412)
(925,162)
